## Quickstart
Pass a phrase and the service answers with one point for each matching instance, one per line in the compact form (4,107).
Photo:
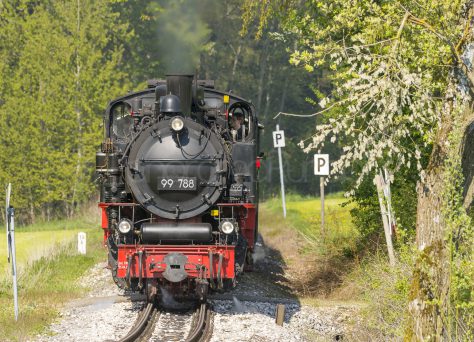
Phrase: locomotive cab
(179,187)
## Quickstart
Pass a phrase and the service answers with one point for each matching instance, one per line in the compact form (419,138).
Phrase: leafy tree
(259,71)
(66,68)
(403,85)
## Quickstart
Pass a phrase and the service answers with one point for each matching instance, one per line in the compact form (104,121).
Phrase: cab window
(121,120)
(240,121)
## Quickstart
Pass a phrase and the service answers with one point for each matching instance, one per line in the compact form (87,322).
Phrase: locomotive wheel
(229,284)
(249,261)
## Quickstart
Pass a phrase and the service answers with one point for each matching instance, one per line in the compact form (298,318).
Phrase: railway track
(154,325)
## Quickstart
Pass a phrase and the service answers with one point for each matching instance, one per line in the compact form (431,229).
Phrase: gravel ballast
(247,313)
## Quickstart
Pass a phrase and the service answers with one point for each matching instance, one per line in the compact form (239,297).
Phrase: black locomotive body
(179,187)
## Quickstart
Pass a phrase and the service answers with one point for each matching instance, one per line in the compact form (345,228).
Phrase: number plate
(177,183)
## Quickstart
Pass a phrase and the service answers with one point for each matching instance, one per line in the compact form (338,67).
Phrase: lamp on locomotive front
(177,124)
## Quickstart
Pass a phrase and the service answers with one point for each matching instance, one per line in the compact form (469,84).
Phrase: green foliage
(323,27)
(57,78)
(259,71)
(63,66)
(390,63)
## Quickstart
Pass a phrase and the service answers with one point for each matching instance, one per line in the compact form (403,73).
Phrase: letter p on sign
(321,164)
(278,139)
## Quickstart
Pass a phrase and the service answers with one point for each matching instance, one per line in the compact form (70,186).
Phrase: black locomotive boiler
(179,187)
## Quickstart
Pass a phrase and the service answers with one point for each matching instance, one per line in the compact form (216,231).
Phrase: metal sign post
(321,191)
(321,168)
(279,142)
(10,224)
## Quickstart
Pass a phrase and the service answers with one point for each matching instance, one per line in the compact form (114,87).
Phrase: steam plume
(181,35)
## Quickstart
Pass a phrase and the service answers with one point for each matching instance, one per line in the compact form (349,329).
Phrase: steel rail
(201,329)
(199,332)
(140,325)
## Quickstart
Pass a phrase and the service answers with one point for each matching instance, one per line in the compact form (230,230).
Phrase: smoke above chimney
(182,35)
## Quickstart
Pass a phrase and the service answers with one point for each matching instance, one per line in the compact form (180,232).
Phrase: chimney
(181,85)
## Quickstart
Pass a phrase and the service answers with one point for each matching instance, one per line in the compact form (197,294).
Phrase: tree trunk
(430,288)
(236,63)
(263,65)
(31,217)
(48,212)
(468,167)
(268,98)
(285,90)
(77,109)
(430,291)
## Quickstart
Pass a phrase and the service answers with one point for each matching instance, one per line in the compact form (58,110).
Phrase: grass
(76,223)
(32,245)
(304,215)
(386,290)
(50,267)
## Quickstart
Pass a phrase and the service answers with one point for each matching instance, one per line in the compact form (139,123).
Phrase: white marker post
(385,200)
(321,168)
(81,243)
(279,142)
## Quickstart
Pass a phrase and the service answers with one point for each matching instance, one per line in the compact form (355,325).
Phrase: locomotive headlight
(124,226)
(227,227)
(177,124)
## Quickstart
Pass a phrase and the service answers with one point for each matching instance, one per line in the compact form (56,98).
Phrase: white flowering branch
(383,104)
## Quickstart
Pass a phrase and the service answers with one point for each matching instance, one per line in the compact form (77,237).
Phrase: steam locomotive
(178,172)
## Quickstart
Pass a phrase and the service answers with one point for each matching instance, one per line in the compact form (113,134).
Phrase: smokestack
(181,85)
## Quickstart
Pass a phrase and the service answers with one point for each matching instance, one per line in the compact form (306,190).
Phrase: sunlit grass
(304,215)
(31,245)
(45,238)
(85,221)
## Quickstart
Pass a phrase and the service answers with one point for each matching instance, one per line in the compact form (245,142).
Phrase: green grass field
(32,245)
(304,214)
(49,267)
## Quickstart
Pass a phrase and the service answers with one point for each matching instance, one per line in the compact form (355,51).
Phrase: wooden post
(380,184)
(280,314)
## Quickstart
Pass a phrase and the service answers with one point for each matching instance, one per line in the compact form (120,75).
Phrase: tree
(402,89)
(61,72)
(259,71)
